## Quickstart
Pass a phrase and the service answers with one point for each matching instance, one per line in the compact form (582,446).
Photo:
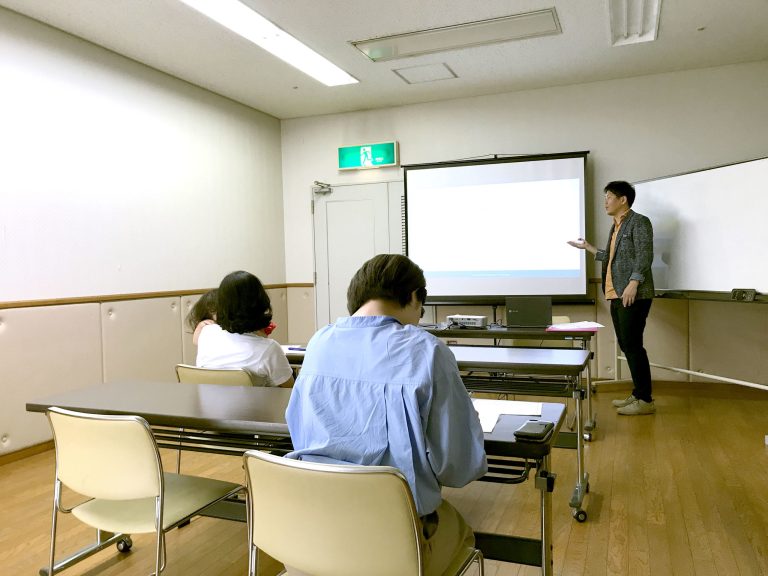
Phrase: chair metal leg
(54,520)
(475,558)
(253,553)
(103,540)
(160,550)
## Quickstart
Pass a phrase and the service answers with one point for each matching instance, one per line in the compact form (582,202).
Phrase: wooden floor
(680,493)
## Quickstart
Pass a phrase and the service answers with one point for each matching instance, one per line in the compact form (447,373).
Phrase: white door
(352,224)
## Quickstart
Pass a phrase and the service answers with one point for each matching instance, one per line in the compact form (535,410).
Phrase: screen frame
(499,299)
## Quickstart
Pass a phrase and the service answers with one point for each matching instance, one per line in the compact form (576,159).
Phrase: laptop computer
(529,311)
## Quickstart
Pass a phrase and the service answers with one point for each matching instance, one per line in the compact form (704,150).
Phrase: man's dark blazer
(633,257)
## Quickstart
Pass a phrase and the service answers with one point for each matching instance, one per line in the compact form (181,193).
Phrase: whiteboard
(710,227)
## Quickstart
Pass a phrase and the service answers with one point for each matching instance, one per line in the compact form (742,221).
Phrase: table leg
(582,483)
(591,422)
(521,550)
(545,482)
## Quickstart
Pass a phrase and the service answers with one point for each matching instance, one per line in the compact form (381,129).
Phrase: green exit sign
(368,156)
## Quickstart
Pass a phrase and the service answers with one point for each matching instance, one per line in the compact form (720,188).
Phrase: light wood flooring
(683,492)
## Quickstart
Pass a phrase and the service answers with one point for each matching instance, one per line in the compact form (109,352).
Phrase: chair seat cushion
(184,496)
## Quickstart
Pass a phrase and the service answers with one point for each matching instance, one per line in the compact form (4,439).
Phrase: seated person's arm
(454,436)
(199,328)
(277,366)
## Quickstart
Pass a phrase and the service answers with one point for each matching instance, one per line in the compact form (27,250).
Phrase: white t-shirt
(217,348)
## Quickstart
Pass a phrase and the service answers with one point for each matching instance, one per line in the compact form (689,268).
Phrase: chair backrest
(112,457)
(333,520)
(187,374)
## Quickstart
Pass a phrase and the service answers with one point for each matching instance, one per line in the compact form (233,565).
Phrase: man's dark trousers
(629,324)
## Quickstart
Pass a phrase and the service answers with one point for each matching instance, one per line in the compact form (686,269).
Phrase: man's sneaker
(626,402)
(637,408)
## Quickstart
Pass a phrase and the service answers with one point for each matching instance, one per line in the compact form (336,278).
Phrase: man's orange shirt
(610,291)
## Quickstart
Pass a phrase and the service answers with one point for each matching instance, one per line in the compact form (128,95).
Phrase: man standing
(628,286)
(375,389)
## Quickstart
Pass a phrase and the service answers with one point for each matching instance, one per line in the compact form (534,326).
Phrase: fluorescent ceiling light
(634,21)
(516,27)
(253,26)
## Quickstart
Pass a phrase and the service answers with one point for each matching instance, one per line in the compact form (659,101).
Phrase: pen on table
(297,348)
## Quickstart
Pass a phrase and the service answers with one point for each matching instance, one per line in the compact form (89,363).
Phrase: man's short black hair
(391,277)
(243,304)
(621,188)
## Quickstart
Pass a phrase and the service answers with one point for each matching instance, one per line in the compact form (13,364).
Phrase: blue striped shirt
(374,392)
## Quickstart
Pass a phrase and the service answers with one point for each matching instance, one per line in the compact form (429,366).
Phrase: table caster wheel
(124,544)
(587,436)
(580,515)
(586,488)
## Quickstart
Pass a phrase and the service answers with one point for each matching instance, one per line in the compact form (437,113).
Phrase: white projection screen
(498,227)
(709,227)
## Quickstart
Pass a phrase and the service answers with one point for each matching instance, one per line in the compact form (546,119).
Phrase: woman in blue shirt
(375,389)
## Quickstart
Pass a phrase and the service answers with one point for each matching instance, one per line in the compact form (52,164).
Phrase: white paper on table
(584,325)
(490,410)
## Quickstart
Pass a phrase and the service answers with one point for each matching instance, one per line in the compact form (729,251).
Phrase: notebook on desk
(529,311)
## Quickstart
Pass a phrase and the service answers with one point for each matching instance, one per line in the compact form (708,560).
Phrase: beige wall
(301,314)
(718,338)
(730,338)
(49,349)
(119,179)
(45,350)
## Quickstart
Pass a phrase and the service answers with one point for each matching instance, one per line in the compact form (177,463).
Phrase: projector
(468,321)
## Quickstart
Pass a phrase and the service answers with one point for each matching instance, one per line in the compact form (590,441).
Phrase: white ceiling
(169,36)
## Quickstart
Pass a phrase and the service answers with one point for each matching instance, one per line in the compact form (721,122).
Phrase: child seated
(202,313)
(233,332)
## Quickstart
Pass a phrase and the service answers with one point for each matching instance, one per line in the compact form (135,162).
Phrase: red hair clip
(269,329)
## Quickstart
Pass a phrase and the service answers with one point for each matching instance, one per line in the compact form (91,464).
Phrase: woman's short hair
(621,188)
(391,277)
(243,305)
(204,309)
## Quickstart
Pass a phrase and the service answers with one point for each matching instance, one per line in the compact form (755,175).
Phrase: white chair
(114,462)
(336,520)
(187,374)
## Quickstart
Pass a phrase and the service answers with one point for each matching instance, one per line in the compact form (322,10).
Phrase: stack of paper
(490,410)
(584,326)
